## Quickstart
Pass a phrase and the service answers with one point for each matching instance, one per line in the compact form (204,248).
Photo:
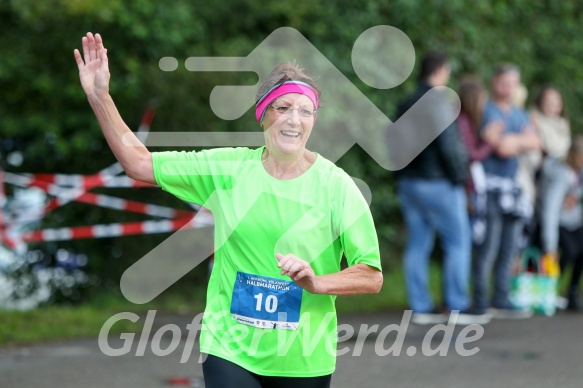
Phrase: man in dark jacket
(433,200)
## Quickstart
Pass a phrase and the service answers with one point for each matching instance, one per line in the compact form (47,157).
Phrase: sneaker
(473,316)
(430,318)
(510,312)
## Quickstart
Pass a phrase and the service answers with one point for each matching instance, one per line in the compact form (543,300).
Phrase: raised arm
(94,75)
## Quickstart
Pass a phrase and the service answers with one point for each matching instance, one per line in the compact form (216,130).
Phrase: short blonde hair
(520,95)
(286,72)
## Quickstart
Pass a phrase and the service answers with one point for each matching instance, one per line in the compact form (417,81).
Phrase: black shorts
(220,373)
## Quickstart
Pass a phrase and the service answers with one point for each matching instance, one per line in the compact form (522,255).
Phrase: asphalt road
(538,352)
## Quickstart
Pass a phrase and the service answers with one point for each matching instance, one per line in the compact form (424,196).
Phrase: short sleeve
(357,231)
(490,115)
(194,176)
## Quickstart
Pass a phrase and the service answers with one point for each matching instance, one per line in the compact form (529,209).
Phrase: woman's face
(287,132)
(552,103)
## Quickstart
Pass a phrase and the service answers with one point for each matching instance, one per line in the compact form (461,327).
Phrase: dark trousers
(495,254)
(220,373)
(571,246)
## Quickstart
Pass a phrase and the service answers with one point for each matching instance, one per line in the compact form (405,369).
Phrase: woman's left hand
(299,271)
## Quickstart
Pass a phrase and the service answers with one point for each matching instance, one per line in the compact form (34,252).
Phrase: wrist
(98,95)
(319,286)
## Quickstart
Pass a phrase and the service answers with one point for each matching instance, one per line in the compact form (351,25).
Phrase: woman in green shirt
(284,218)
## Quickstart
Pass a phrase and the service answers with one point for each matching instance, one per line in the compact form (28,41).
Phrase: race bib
(266,302)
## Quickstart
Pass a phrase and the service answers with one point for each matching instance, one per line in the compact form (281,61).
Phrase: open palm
(93,67)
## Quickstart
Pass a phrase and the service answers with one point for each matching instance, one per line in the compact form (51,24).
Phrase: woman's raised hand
(93,68)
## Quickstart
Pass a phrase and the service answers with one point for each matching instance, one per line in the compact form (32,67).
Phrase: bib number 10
(267,303)
(270,303)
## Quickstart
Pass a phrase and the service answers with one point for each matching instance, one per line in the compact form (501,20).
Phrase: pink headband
(281,89)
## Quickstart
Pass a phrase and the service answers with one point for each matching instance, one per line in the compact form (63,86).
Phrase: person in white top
(551,123)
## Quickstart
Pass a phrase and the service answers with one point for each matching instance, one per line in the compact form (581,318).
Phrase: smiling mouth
(290,133)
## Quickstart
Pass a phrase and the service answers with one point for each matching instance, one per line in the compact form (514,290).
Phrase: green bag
(534,290)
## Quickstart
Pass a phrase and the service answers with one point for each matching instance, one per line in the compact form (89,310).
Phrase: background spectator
(528,162)
(473,97)
(551,123)
(561,191)
(504,205)
(438,172)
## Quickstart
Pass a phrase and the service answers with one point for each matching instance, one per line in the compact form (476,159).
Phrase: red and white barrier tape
(105,177)
(73,187)
(102,231)
(88,183)
(133,206)
(202,219)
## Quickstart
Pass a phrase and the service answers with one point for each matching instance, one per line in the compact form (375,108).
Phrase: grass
(393,295)
(57,322)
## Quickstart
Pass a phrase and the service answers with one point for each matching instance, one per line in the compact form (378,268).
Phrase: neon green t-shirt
(254,316)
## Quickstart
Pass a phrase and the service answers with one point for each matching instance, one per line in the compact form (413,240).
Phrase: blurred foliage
(46,116)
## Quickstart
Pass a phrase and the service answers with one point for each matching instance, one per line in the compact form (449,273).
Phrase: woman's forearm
(128,150)
(354,280)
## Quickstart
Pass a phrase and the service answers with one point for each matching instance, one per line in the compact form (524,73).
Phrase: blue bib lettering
(266,302)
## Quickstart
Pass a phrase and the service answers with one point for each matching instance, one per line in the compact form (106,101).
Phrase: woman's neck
(287,166)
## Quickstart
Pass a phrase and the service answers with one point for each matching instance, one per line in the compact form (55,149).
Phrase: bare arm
(94,75)
(515,144)
(129,151)
(509,145)
(354,280)
(358,279)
